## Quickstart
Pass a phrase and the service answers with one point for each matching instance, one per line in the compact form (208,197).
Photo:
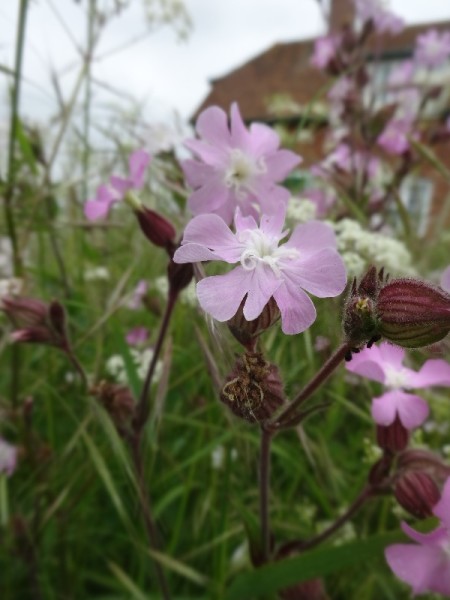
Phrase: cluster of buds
(407,312)
(253,390)
(37,322)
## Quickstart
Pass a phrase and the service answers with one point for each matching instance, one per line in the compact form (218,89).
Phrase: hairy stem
(143,407)
(264,492)
(321,376)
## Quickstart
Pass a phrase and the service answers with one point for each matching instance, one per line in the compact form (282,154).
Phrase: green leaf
(273,577)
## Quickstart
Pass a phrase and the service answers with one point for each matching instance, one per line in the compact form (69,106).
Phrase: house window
(416,195)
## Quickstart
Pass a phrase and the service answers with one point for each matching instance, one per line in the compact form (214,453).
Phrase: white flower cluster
(360,248)
(115,365)
(300,210)
(96,274)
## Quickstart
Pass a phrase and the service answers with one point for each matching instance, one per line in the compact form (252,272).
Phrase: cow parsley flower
(308,261)
(236,166)
(384,363)
(425,566)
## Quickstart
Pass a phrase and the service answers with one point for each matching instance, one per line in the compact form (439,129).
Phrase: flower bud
(158,230)
(380,470)
(360,312)
(417,493)
(253,390)
(118,402)
(413,313)
(57,317)
(246,332)
(415,459)
(393,438)
(24,312)
(32,335)
(180,276)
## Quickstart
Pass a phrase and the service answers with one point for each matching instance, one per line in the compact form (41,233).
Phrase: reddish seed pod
(417,493)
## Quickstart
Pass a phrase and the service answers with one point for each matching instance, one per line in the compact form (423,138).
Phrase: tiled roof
(284,69)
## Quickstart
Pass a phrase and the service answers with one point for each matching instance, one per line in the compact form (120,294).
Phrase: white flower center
(241,171)
(396,379)
(263,249)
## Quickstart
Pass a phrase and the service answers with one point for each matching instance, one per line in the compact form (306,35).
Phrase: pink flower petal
(322,274)
(416,565)
(362,365)
(281,163)
(212,232)
(212,125)
(196,173)
(312,237)
(271,196)
(297,310)
(209,197)
(412,410)
(273,224)
(240,137)
(432,538)
(442,508)
(138,163)
(211,155)
(433,372)
(392,355)
(120,184)
(190,253)
(94,210)
(445,280)
(242,222)
(262,287)
(384,409)
(221,295)
(264,139)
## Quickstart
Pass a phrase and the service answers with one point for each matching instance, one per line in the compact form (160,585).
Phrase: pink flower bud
(413,313)
(246,332)
(25,312)
(393,438)
(417,493)
(156,229)
(118,402)
(415,459)
(32,335)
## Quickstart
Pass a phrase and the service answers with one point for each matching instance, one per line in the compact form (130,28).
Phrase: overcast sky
(168,75)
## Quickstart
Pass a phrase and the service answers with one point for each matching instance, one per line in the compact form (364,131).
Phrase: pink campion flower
(308,261)
(425,566)
(8,457)
(106,196)
(325,50)
(445,280)
(395,136)
(137,336)
(236,166)
(384,363)
(382,19)
(432,48)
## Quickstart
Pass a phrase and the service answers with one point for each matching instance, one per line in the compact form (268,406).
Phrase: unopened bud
(158,230)
(24,312)
(118,402)
(393,438)
(380,470)
(253,390)
(57,317)
(360,312)
(180,276)
(245,331)
(32,335)
(413,313)
(417,493)
(415,459)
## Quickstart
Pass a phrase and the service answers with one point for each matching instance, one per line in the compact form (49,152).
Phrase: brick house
(280,87)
